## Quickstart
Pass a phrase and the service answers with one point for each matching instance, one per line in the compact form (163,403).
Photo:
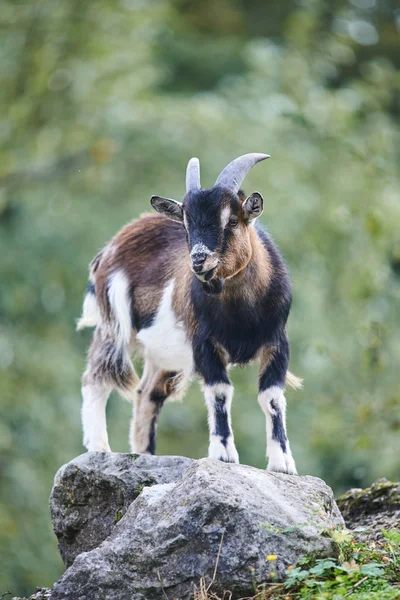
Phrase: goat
(197,288)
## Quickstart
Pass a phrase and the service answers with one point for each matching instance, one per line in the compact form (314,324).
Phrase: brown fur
(239,249)
(181,301)
(244,247)
(149,251)
(252,281)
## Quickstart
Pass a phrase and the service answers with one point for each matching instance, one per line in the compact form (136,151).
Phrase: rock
(215,516)
(368,511)
(93,492)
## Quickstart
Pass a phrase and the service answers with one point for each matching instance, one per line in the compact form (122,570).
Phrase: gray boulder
(93,492)
(210,517)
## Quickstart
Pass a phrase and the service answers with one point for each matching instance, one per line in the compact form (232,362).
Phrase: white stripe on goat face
(225,215)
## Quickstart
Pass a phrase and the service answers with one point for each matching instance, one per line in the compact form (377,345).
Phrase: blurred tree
(102,105)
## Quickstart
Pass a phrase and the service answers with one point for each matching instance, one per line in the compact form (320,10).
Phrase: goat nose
(198,259)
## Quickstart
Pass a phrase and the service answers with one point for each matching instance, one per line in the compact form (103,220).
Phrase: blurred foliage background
(102,103)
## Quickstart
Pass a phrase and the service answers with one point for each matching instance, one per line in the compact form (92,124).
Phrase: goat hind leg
(109,367)
(95,396)
(155,387)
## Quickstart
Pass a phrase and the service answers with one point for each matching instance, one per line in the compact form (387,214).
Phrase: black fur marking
(202,212)
(208,361)
(242,328)
(221,420)
(215,286)
(275,373)
(151,448)
(278,430)
(90,289)
(142,321)
(158,398)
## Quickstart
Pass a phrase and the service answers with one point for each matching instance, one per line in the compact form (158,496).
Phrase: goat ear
(253,206)
(167,207)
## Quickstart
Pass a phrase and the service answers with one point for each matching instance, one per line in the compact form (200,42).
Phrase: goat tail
(90,311)
(296,383)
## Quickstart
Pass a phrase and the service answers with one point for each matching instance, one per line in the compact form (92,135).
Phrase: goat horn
(232,176)
(193,175)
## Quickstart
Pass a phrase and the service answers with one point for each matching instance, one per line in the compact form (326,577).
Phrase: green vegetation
(119,514)
(361,572)
(102,103)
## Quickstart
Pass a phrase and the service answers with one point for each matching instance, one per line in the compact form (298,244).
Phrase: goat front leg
(218,393)
(273,368)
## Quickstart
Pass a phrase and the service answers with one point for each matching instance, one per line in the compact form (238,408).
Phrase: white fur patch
(226,453)
(277,459)
(90,313)
(95,437)
(272,393)
(225,215)
(118,295)
(165,342)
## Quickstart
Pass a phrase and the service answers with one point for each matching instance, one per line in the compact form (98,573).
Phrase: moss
(138,489)
(71,500)
(119,514)
(380,489)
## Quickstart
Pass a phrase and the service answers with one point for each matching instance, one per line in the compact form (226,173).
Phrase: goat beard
(215,286)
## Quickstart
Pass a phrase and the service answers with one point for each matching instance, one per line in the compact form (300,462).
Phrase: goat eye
(233,221)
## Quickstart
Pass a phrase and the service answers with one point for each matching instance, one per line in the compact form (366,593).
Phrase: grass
(362,571)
